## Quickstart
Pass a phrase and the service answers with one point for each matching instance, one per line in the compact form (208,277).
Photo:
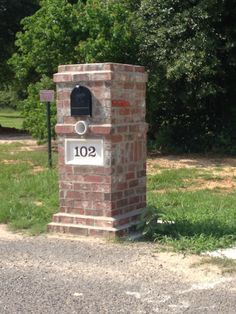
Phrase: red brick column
(103,200)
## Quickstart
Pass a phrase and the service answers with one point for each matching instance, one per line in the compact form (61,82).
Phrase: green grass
(193,220)
(28,198)
(175,178)
(10,118)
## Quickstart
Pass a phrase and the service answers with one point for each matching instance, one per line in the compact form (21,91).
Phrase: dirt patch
(15,162)
(37,169)
(227,186)
(27,145)
(10,162)
(5,234)
(220,173)
(192,161)
(31,148)
(224,172)
(189,267)
(24,140)
(37,203)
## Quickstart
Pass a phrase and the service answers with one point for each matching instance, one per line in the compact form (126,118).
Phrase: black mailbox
(81,101)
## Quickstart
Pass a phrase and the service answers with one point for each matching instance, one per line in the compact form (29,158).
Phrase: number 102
(84,151)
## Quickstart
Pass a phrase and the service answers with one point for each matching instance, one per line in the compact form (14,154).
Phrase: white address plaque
(84,152)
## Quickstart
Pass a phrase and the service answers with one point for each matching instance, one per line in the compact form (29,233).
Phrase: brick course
(103,200)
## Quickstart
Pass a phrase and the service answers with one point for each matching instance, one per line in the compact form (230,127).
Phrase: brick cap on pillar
(100,72)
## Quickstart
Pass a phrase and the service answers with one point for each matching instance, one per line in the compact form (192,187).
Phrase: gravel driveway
(50,274)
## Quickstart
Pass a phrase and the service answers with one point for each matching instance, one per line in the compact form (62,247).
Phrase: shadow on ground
(6,132)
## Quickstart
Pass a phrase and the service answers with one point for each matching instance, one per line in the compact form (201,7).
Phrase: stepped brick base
(95,225)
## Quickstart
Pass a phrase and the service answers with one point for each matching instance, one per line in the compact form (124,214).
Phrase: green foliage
(187,46)
(8,98)
(11,13)
(34,112)
(189,49)
(108,32)
(63,33)
(46,41)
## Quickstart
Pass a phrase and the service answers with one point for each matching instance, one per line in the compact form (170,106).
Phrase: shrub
(34,112)
(8,98)
(188,47)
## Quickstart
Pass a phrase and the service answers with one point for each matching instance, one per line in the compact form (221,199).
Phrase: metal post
(49,135)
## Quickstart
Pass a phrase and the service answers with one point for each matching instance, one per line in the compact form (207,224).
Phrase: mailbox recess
(81,101)
(102,170)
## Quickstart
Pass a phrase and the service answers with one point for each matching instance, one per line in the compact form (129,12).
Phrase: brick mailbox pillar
(101,134)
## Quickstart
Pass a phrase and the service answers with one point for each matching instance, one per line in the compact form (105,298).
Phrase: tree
(189,49)
(109,32)
(11,13)
(63,33)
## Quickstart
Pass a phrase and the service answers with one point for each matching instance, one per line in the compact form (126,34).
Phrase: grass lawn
(191,207)
(10,118)
(28,189)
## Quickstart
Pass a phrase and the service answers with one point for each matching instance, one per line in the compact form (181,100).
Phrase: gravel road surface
(51,274)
